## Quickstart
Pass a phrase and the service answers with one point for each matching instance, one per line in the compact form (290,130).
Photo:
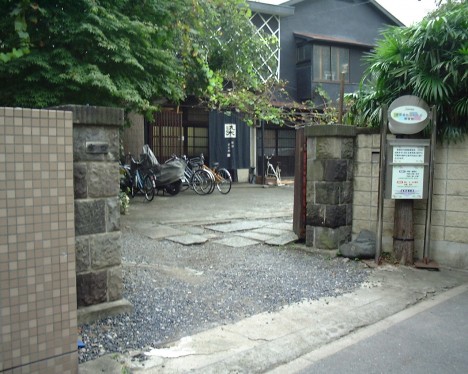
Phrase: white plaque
(407,182)
(229,130)
(408,155)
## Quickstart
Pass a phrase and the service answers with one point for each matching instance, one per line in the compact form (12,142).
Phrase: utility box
(407,171)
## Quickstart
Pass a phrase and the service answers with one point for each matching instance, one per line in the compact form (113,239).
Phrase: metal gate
(166,135)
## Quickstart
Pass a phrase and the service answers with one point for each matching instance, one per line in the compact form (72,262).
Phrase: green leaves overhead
(429,60)
(129,53)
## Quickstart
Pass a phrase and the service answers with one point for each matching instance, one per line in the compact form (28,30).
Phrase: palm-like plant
(428,60)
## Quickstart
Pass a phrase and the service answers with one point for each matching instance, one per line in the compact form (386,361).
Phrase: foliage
(124,202)
(133,54)
(310,113)
(20,37)
(97,53)
(428,60)
(223,60)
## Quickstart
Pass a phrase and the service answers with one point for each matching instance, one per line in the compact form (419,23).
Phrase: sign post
(406,171)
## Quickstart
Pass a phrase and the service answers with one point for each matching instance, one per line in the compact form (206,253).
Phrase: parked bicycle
(136,180)
(222,177)
(272,172)
(196,178)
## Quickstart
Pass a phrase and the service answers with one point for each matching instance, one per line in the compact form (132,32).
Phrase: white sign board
(229,130)
(407,182)
(408,155)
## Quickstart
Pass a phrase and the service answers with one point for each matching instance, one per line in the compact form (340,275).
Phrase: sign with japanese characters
(408,115)
(407,171)
(407,182)
(408,155)
(229,130)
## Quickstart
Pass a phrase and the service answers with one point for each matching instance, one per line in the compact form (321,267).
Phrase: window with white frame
(329,62)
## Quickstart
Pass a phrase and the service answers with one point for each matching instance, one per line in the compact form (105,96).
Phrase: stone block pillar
(97,211)
(330,153)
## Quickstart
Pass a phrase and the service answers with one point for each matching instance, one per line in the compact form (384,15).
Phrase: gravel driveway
(180,290)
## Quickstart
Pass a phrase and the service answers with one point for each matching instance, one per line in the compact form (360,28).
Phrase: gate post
(329,193)
(97,211)
(300,175)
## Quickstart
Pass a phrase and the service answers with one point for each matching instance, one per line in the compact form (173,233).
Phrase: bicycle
(134,181)
(198,179)
(222,177)
(272,172)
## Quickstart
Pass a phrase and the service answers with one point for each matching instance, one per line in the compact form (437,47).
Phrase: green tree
(428,60)
(17,30)
(223,57)
(132,53)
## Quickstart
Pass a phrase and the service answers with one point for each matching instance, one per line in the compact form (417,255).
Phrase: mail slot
(97,147)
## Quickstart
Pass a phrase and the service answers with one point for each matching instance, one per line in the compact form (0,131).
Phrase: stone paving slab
(255,236)
(281,226)
(236,242)
(155,231)
(195,230)
(271,231)
(283,239)
(238,226)
(188,239)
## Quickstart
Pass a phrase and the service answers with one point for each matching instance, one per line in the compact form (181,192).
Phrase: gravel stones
(180,290)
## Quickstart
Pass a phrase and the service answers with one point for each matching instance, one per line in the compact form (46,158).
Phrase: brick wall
(38,315)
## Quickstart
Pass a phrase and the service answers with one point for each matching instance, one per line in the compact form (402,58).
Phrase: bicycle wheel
(213,180)
(223,181)
(148,188)
(201,182)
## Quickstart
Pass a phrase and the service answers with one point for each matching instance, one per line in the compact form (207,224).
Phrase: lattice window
(269,25)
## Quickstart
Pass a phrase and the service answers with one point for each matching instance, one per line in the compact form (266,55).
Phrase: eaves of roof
(374,3)
(331,39)
(276,10)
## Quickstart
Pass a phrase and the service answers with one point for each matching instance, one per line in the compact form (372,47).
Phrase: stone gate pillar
(329,196)
(97,211)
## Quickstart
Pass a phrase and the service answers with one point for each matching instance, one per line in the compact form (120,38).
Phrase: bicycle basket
(195,163)
(145,162)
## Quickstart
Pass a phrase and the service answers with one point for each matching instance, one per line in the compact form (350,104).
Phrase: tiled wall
(37,243)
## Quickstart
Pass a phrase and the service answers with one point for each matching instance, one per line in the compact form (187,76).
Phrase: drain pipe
(262,169)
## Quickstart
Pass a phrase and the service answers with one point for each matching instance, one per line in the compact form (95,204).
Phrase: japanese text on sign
(408,155)
(408,182)
(229,130)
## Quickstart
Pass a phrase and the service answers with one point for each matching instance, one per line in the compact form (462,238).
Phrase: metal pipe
(382,173)
(262,163)
(427,231)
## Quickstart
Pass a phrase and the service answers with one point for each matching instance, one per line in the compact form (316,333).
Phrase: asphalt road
(432,341)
